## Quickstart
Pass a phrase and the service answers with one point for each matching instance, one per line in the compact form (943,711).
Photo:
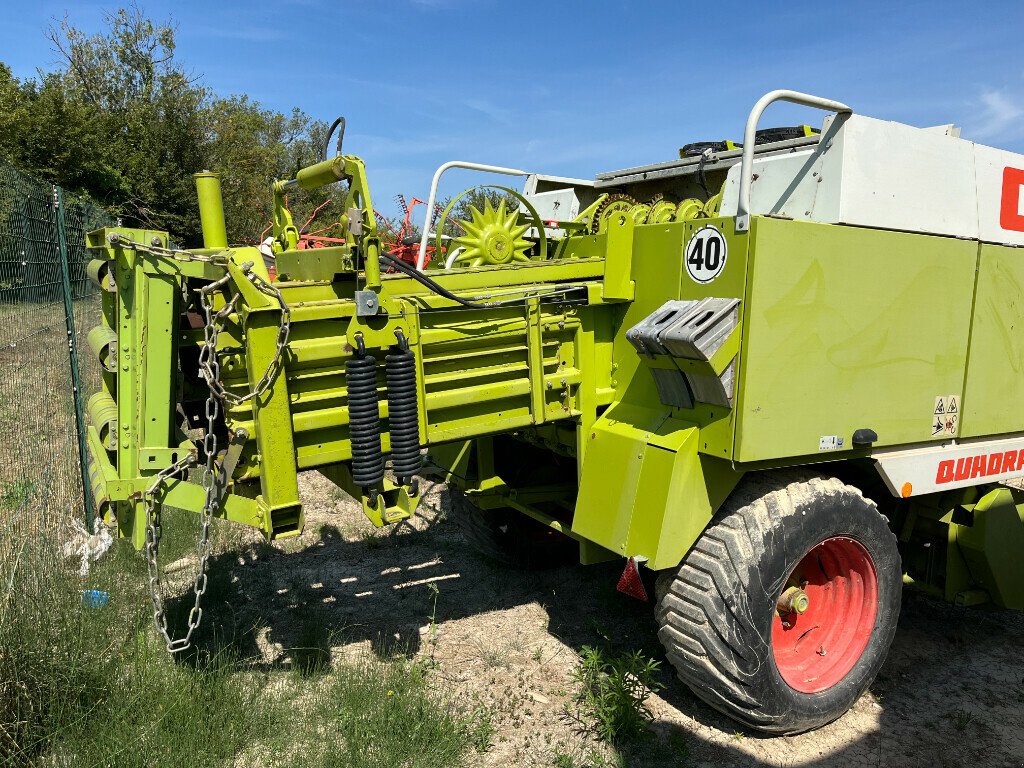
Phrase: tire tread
(706,623)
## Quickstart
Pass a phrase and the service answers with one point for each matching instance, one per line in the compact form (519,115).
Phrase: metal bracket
(367,303)
(230,461)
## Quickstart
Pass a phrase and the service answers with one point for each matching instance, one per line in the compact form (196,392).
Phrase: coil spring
(403,413)
(364,421)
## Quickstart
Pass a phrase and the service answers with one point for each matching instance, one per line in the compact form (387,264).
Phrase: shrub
(614,692)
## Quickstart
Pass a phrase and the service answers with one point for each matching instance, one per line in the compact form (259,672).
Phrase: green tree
(122,121)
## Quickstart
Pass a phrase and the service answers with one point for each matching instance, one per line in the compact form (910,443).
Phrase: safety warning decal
(945,418)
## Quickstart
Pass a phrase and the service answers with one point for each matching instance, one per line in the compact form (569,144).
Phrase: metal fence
(47,306)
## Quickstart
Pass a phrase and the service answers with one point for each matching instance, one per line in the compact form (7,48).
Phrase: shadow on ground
(950,694)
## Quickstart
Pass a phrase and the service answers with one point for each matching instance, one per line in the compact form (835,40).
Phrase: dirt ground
(950,694)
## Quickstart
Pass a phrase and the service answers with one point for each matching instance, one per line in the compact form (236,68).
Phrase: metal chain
(175,253)
(208,354)
(210,480)
(153,536)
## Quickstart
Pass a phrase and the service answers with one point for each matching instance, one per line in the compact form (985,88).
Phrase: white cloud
(999,117)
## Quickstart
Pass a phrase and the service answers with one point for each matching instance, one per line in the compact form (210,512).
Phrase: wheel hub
(836,584)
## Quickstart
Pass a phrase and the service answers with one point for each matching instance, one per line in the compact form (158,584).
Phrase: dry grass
(82,686)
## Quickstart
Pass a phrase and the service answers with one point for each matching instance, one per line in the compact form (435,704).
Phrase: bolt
(822,651)
(155,241)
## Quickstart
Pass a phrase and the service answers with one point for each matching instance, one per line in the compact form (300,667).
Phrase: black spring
(364,421)
(403,412)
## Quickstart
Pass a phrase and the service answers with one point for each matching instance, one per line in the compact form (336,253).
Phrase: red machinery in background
(402,241)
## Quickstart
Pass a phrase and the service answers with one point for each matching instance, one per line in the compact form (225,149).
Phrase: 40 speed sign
(705,254)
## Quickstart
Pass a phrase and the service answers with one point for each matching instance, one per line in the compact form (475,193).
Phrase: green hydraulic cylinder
(211,209)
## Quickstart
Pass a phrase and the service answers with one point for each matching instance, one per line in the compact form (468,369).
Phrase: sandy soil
(950,694)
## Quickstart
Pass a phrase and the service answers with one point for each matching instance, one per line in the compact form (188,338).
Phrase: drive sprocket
(690,208)
(613,204)
(638,213)
(662,211)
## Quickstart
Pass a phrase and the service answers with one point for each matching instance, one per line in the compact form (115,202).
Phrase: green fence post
(76,379)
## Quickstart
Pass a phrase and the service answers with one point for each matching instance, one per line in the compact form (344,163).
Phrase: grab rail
(433,195)
(750,136)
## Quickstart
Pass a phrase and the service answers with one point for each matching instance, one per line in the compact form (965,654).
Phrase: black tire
(510,537)
(716,612)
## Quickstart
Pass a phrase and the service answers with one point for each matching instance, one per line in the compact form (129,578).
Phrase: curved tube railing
(750,135)
(433,196)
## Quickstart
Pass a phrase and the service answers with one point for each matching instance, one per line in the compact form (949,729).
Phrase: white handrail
(750,136)
(421,259)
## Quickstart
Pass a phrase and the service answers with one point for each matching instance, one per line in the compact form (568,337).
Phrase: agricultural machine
(782,376)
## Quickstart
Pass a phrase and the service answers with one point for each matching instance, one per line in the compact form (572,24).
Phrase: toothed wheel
(612,205)
(662,211)
(492,236)
(638,213)
(689,209)
(713,206)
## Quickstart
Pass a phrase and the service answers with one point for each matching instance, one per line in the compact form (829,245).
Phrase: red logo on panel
(1009,214)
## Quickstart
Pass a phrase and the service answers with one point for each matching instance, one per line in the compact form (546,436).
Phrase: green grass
(613,691)
(389,715)
(15,495)
(93,687)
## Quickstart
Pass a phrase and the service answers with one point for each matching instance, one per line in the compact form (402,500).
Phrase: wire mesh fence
(47,306)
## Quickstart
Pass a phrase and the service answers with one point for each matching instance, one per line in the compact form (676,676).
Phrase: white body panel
(1000,197)
(556,205)
(875,173)
(936,468)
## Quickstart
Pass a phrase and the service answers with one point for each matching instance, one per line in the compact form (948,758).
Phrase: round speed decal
(705,254)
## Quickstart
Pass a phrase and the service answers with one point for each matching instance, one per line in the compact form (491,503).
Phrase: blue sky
(577,88)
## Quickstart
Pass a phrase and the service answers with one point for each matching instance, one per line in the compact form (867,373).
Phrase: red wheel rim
(816,649)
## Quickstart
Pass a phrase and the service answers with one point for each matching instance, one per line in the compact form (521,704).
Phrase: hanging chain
(211,480)
(208,354)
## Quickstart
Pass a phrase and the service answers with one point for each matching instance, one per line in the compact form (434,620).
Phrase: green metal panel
(995,370)
(849,328)
(644,489)
(991,545)
(147,321)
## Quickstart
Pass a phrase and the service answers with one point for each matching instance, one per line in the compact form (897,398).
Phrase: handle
(433,195)
(750,136)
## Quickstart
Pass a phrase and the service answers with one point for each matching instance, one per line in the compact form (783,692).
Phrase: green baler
(723,370)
